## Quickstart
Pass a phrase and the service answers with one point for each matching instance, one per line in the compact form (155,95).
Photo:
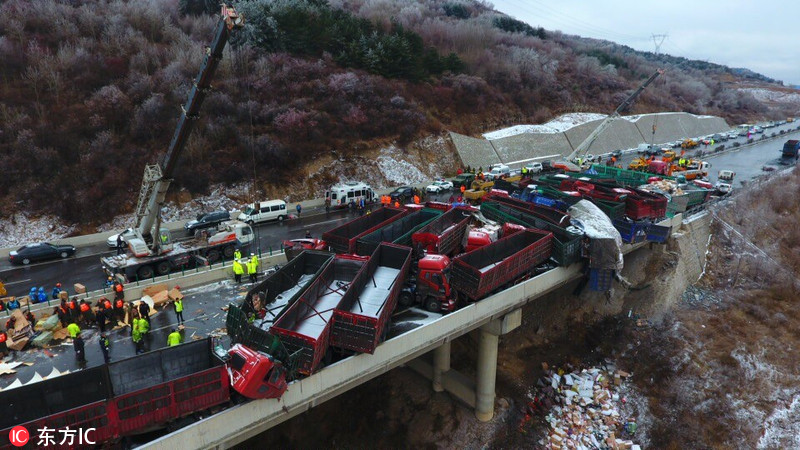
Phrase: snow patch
(782,429)
(22,229)
(398,171)
(221,197)
(768,95)
(557,125)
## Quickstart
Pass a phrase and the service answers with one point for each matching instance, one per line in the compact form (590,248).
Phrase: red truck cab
(433,283)
(477,239)
(255,374)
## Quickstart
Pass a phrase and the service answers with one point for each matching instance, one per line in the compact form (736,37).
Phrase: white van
(341,195)
(264,211)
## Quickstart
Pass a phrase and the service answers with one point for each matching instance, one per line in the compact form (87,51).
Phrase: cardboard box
(154,289)
(79,288)
(175,294)
(160,298)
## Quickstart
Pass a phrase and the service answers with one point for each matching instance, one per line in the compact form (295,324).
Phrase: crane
(584,146)
(157,177)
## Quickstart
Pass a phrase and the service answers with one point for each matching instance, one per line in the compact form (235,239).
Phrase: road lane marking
(15,282)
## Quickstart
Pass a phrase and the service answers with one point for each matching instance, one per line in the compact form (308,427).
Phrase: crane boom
(157,177)
(584,146)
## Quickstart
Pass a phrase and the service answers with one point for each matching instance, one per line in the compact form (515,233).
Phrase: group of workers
(251,265)
(74,314)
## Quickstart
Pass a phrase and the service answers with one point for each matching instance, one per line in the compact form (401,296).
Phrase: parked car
(732,134)
(757,129)
(534,167)
(498,171)
(439,186)
(127,234)
(207,220)
(402,194)
(40,252)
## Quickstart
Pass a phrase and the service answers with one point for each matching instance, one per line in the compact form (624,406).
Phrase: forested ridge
(91,90)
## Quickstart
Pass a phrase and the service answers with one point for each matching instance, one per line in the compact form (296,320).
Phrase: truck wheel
(433,305)
(227,252)
(406,299)
(213,256)
(163,268)
(145,272)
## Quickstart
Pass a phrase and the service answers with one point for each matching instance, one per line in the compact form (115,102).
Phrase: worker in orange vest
(463,188)
(396,204)
(416,199)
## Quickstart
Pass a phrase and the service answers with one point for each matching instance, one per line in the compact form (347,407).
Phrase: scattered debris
(582,409)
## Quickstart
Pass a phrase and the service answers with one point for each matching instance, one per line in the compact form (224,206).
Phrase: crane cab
(139,248)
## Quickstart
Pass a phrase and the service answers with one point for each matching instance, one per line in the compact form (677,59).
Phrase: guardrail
(186,279)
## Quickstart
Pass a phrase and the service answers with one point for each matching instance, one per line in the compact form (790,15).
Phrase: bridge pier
(441,364)
(480,392)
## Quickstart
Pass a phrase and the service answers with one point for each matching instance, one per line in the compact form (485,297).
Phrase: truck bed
(443,235)
(278,291)
(396,232)
(566,246)
(483,270)
(304,327)
(343,239)
(363,315)
(551,215)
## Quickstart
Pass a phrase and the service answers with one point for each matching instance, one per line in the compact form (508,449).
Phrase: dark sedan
(402,194)
(40,252)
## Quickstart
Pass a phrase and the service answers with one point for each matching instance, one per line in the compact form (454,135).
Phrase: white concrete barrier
(188,279)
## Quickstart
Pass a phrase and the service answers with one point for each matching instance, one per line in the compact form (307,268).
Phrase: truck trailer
(361,320)
(397,232)
(443,235)
(304,328)
(479,272)
(342,239)
(269,299)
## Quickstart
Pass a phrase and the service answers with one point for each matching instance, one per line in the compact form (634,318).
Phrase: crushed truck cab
(255,374)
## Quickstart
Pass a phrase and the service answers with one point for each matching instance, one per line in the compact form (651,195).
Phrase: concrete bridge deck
(494,316)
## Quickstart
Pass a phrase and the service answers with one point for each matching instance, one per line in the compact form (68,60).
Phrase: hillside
(311,91)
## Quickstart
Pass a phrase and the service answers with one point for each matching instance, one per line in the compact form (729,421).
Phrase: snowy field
(557,125)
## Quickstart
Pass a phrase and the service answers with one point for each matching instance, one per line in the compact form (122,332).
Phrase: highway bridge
(493,316)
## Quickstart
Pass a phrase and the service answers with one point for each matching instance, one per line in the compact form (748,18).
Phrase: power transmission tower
(658,39)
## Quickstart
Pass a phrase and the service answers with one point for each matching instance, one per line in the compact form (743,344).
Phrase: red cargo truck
(645,205)
(304,328)
(484,270)
(362,318)
(140,394)
(343,239)
(445,234)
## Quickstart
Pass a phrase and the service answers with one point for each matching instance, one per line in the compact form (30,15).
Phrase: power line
(546,12)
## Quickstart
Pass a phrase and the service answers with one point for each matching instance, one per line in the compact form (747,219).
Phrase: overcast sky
(763,36)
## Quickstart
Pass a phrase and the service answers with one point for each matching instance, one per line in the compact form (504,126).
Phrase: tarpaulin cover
(605,249)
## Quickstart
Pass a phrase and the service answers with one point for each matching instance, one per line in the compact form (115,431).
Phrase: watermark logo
(18,436)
